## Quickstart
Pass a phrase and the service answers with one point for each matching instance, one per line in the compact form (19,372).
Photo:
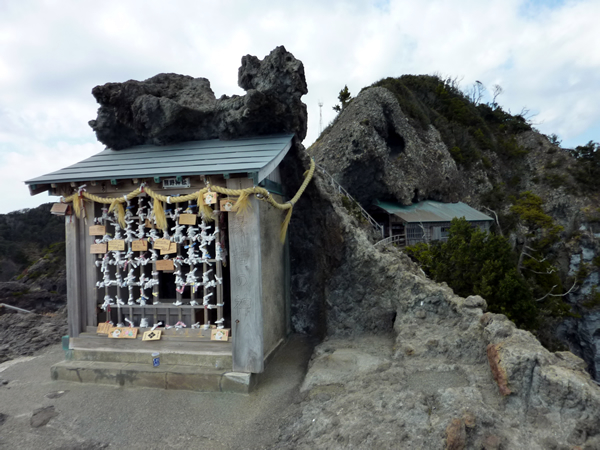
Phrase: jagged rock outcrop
(170,108)
(377,152)
(408,364)
(374,152)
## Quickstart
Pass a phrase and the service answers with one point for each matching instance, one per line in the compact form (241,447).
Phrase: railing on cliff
(341,190)
(397,239)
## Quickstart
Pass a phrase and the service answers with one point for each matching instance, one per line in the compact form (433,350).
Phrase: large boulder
(169,108)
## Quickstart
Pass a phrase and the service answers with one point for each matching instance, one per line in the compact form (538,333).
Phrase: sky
(543,53)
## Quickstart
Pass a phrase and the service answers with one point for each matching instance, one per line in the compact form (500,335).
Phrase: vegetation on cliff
(469,128)
(24,237)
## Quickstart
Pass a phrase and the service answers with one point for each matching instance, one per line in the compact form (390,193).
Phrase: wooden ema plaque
(61,209)
(219,334)
(172,249)
(228,204)
(152,335)
(97,230)
(122,332)
(162,244)
(187,219)
(165,264)
(149,223)
(139,246)
(98,248)
(210,198)
(117,245)
(103,328)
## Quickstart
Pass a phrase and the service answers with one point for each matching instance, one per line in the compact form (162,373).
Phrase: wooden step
(93,347)
(165,376)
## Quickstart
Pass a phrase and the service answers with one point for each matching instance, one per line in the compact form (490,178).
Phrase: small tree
(472,261)
(344,97)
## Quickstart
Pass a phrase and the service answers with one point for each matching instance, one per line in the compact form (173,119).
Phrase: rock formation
(405,363)
(408,364)
(376,151)
(170,108)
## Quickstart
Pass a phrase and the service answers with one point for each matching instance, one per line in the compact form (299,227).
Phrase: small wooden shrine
(182,243)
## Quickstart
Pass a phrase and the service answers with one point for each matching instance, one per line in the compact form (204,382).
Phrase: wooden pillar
(75,308)
(88,269)
(246,286)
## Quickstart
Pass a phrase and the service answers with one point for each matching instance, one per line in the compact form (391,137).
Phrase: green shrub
(472,261)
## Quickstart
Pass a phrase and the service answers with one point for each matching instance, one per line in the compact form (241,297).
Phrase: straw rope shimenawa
(241,206)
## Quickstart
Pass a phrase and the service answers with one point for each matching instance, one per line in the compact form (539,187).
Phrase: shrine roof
(432,211)
(260,155)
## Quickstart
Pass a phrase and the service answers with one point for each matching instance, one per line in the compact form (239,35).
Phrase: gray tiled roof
(261,154)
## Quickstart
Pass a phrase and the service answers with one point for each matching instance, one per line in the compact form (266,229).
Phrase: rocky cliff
(408,364)
(417,145)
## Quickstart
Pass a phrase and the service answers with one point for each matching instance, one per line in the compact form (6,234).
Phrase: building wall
(274,267)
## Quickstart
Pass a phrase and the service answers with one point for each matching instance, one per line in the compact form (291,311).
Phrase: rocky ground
(408,364)
(449,377)
(40,289)
(24,334)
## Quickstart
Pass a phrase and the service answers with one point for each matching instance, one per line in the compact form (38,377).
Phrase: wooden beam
(89,271)
(73,254)
(246,285)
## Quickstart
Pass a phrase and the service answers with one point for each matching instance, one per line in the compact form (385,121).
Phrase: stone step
(165,376)
(91,347)
(211,360)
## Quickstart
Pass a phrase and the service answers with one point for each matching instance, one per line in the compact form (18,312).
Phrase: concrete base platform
(173,377)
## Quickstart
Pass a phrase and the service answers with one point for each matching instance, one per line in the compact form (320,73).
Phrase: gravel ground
(36,412)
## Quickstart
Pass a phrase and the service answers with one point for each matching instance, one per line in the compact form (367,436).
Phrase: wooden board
(221,334)
(187,219)
(116,245)
(165,264)
(228,204)
(210,198)
(152,335)
(60,209)
(103,328)
(139,245)
(98,248)
(246,287)
(122,333)
(97,230)
(172,249)
(162,244)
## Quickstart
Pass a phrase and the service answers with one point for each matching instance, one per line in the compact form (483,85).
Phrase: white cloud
(52,53)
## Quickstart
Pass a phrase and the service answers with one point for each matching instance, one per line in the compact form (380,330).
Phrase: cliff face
(408,364)
(378,151)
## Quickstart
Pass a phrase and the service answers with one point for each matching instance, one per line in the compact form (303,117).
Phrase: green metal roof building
(426,221)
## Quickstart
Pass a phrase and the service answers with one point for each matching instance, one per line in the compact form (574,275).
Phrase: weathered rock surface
(374,152)
(30,297)
(170,108)
(41,416)
(407,363)
(431,382)
(24,334)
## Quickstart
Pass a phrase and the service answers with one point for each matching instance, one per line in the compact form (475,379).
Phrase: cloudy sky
(544,54)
